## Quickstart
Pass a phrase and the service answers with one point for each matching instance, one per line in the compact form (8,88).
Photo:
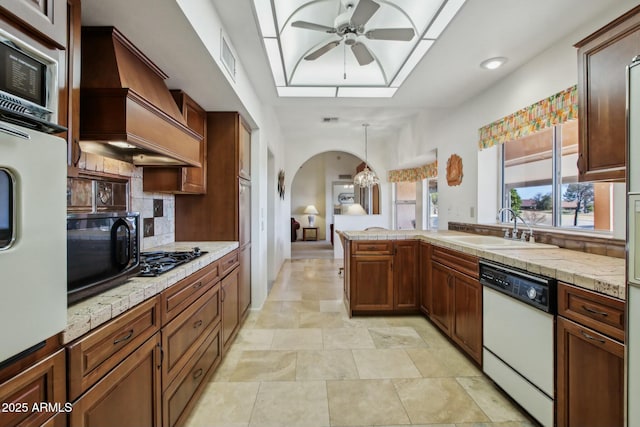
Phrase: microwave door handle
(121,251)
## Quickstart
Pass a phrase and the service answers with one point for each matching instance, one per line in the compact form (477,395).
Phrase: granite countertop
(93,312)
(602,274)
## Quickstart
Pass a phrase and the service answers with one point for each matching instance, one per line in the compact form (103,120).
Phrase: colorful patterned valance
(554,110)
(414,174)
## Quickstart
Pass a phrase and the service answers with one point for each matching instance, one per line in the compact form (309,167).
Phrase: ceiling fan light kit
(387,39)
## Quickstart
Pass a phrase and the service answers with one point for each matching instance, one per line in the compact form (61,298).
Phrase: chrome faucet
(514,234)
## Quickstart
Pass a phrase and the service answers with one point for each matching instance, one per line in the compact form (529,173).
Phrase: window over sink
(540,182)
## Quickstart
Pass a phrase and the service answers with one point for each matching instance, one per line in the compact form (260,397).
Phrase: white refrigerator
(633,246)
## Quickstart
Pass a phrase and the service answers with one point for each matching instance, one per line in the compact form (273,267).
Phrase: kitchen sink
(494,242)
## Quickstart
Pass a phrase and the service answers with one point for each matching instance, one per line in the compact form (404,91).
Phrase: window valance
(548,112)
(414,174)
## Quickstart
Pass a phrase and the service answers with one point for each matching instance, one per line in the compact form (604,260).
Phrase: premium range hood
(126,110)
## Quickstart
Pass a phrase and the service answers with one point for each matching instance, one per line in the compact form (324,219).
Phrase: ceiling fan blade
(400,34)
(362,54)
(322,50)
(363,12)
(311,26)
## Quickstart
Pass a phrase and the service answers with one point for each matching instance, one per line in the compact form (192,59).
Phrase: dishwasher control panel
(537,291)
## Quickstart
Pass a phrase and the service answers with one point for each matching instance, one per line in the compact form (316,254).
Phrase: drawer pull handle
(124,338)
(197,285)
(197,374)
(371,248)
(589,337)
(197,324)
(592,311)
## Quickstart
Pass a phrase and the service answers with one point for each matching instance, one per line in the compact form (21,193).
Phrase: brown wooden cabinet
(602,61)
(47,18)
(44,381)
(456,299)
(128,395)
(382,276)
(244,280)
(183,180)
(230,312)
(425,278)
(590,358)
(70,85)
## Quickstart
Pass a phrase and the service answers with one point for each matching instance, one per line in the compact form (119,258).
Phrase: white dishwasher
(518,336)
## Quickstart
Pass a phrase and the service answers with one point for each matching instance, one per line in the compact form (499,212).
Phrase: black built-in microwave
(102,252)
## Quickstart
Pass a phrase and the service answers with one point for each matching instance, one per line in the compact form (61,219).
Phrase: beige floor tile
(228,365)
(432,336)
(265,366)
(361,403)
(332,306)
(347,338)
(396,337)
(254,339)
(455,362)
(384,363)
(321,320)
(277,320)
(304,306)
(224,405)
(297,339)
(291,404)
(490,399)
(366,322)
(285,295)
(437,400)
(325,365)
(428,364)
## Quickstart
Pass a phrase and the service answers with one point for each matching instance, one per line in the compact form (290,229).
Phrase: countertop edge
(95,311)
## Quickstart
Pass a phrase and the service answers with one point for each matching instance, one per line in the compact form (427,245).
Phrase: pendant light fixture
(366,177)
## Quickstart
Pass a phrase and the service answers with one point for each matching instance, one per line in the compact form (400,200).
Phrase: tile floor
(300,361)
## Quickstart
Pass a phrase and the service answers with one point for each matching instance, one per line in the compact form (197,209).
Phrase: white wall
(308,188)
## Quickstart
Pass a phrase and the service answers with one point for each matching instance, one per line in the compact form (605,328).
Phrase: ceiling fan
(349,26)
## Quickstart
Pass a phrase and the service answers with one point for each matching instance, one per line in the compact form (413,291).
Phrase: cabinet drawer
(91,357)
(181,295)
(187,330)
(182,393)
(372,247)
(228,263)
(597,311)
(42,382)
(459,261)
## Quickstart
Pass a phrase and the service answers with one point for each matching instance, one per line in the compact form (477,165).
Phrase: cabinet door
(441,296)
(590,375)
(405,276)
(72,81)
(244,280)
(425,278)
(467,315)
(45,17)
(42,382)
(230,315)
(372,283)
(602,61)
(244,212)
(128,396)
(244,154)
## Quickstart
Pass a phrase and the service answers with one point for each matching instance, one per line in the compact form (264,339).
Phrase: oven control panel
(531,289)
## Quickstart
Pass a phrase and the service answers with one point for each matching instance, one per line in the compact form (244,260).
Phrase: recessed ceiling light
(493,63)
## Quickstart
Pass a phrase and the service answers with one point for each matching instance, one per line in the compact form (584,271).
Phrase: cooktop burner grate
(158,262)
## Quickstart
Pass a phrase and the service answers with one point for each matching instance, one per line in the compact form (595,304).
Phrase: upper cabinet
(184,180)
(244,154)
(602,61)
(47,18)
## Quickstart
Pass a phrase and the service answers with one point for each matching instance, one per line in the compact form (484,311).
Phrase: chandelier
(366,177)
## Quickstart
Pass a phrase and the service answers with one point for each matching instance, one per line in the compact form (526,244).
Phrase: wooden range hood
(126,110)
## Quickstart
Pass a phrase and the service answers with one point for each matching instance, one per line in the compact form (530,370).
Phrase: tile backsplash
(163,216)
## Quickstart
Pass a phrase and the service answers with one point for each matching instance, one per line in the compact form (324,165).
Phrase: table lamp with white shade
(311,211)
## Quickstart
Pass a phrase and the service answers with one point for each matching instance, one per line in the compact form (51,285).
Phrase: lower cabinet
(128,396)
(244,280)
(425,278)
(456,299)
(230,312)
(43,382)
(382,277)
(590,359)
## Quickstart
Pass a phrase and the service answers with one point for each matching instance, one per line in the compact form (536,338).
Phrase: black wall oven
(102,252)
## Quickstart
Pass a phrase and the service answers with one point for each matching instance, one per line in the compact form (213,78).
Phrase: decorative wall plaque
(454,170)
